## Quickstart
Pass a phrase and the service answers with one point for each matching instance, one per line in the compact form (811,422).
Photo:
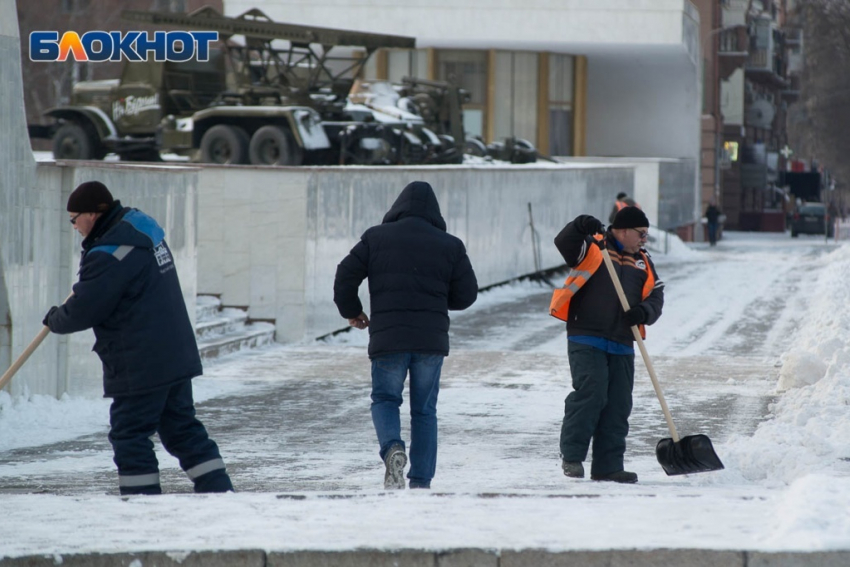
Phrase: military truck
(251,102)
(255,101)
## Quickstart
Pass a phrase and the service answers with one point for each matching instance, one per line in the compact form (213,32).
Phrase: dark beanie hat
(621,196)
(630,217)
(90,197)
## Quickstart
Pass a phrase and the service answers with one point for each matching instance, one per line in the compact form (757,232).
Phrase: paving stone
(355,558)
(239,558)
(791,559)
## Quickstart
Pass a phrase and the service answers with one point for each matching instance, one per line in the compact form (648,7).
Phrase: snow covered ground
(753,349)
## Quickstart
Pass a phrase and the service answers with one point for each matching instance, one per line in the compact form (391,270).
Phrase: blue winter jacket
(129,294)
(417,272)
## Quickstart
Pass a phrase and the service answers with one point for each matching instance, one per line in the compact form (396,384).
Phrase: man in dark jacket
(600,341)
(712,217)
(623,201)
(129,294)
(417,272)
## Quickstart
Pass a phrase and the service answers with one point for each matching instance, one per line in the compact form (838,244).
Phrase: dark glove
(47,317)
(587,224)
(635,316)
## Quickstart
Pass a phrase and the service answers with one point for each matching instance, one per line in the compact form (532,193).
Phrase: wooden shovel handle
(636,332)
(7,376)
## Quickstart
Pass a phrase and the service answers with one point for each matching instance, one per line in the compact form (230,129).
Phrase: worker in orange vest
(600,343)
(623,201)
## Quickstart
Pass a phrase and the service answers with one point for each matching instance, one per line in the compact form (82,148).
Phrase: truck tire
(224,144)
(72,141)
(273,145)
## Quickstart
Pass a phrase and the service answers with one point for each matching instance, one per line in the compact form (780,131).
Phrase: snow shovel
(7,376)
(690,454)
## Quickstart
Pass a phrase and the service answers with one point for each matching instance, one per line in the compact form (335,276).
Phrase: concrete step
(206,306)
(226,321)
(225,330)
(250,336)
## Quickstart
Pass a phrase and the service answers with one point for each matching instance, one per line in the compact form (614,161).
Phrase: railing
(734,40)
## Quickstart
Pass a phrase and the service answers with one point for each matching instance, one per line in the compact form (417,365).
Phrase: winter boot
(395,461)
(573,469)
(619,476)
(215,481)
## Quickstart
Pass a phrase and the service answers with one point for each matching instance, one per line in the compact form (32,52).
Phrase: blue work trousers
(598,408)
(170,412)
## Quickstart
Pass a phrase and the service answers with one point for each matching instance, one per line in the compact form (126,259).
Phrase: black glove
(587,224)
(635,316)
(47,317)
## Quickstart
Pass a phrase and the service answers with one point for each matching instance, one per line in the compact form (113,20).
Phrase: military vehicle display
(255,101)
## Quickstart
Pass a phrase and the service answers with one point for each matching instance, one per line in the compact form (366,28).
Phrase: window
(561,104)
(515,101)
(468,70)
(407,63)
(175,6)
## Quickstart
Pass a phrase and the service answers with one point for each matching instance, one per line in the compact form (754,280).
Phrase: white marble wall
(39,252)
(29,251)
(270,239)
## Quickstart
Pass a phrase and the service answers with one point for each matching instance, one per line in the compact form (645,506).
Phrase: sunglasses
(74,218)
(642,233)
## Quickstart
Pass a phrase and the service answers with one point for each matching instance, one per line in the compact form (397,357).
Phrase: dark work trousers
(170,412)
(598,407)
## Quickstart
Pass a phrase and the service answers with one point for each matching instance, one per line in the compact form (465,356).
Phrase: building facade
(610,78)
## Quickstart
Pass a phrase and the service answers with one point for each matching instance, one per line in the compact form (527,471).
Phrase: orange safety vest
(559,306)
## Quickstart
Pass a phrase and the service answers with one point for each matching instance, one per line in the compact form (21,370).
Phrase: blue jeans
(388,375)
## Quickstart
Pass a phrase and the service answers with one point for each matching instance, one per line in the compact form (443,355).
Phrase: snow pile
(668,246)
(27,421)
(809,428)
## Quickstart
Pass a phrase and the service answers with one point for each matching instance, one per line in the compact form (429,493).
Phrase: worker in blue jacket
(129,294)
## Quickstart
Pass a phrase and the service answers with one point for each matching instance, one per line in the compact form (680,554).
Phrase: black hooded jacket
(417,273)
(129,294)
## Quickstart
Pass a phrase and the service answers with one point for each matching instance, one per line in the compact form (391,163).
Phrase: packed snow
(753,349)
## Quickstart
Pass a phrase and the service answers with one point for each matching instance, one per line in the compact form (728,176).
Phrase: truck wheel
(272,145)
(71,141)
(224,144)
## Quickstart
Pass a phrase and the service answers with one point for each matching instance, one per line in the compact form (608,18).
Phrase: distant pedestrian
(417,272)
(128,292)
(600,343)
(712,217)
(623,200)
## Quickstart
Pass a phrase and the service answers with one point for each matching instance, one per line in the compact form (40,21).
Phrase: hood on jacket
(417,200)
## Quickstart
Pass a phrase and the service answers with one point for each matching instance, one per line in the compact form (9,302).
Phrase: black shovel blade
(691,454)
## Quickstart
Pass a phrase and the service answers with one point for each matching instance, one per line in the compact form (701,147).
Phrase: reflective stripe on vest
(559,306)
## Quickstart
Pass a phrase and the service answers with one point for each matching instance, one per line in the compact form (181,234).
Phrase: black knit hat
(630,217)
(90,197)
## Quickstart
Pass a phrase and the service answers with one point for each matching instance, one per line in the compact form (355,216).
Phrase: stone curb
(448,558)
